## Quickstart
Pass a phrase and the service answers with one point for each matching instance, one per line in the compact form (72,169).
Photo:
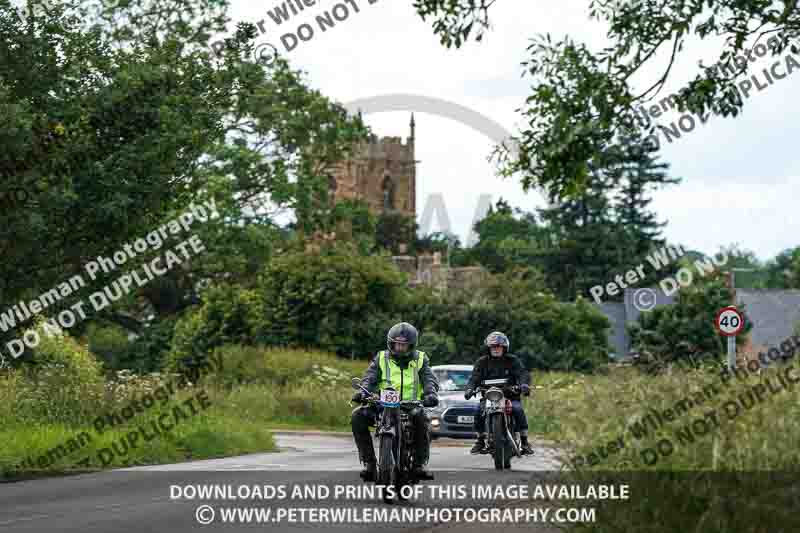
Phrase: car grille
(452,414)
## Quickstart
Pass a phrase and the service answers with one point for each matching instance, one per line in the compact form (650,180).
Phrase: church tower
(382,172)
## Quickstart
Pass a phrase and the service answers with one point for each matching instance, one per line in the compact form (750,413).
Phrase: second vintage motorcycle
(503,441)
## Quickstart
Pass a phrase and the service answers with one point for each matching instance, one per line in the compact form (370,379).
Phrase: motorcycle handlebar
(514,389)
(404,403)
(366,400)
(487,387)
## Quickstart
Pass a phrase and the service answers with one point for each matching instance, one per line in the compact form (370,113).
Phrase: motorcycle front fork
(513,436)
(398,433)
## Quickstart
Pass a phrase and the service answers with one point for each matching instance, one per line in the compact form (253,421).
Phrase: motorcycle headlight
(494,395)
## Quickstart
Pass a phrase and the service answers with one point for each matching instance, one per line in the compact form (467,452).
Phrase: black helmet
(402,332)
(498,338)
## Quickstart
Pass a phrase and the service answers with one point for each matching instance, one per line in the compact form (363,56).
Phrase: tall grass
(253,389)
(286,387)
(589,411)
(738,476)
(282,367)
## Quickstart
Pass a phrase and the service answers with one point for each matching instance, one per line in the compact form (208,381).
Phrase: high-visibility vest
(406,381)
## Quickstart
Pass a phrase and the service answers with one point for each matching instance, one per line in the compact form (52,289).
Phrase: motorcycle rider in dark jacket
(408,369)
(499,363)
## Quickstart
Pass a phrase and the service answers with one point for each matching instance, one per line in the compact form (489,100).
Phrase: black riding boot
(422,449)
(526,446)
(480,444)
(370,472)
(421,455)
(366,453)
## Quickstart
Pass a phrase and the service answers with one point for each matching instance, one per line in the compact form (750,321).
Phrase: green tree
(438,241)
(683,332)
(441,348)
(351,220)
(582,100)
(783,271)
(116,118)
(393,229)
(326,299)
(582,251)
(506,238)
(546,333)
(638,171)
(583,240)
(228,315)
(729,257)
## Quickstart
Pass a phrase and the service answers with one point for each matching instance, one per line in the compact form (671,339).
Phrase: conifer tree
(640,173)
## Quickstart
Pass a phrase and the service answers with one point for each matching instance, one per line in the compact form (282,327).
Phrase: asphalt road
(147,499)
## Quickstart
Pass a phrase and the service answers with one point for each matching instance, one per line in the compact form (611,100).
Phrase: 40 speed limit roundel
(729,321)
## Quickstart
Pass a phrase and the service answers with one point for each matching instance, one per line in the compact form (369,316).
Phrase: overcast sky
(740,175)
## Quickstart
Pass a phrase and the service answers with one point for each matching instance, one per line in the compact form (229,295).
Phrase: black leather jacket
(427,379)
(508,366)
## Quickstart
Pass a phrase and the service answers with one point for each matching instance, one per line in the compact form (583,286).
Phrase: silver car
(454,416)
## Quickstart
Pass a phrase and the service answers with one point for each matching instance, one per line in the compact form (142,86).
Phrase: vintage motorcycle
(396,439)
(503,441)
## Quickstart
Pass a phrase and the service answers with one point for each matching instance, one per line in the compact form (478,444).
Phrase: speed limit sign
(729,321)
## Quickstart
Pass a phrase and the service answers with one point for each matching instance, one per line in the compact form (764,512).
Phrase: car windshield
(451,380)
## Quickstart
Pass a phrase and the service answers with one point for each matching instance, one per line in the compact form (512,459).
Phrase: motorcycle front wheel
(403,469)
(387,470)
(502,452)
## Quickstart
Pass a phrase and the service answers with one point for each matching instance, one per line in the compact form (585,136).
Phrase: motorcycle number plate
(390,398)
(466,419)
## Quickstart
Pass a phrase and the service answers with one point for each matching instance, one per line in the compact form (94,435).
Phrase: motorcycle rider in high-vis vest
(408,370)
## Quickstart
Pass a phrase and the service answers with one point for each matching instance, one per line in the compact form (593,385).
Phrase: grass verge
(179,430)
(700,452)
(254,391)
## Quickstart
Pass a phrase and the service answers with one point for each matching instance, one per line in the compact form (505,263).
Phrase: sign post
(729,322)
(732,352)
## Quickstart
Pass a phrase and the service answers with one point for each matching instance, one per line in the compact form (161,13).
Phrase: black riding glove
(525,389)
(469,393)
(358,396)
(430,400)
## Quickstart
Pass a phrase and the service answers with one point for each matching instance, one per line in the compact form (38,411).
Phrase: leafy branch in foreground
(455,19)
(583,101)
